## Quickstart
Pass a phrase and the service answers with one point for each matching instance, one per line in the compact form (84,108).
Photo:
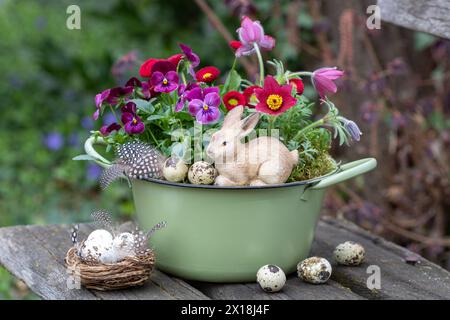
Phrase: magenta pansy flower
(190,55)
(183,90)
(251,33)
(132,123)
(130,107)
(205,110)
(106,130)
(111,96)
(323,80)
(164,77)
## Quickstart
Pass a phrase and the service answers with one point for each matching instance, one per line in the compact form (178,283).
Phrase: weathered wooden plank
(236,291)
(430,16)
(44,257)
(399,280)
(35,265)
(294,289)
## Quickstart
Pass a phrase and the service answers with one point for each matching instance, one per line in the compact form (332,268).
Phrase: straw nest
(129,272)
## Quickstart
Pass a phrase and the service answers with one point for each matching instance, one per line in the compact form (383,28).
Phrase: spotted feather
(103,219)
(141,238)
(109,175)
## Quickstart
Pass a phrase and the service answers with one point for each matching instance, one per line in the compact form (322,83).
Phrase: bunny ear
(249,123)
(233,117)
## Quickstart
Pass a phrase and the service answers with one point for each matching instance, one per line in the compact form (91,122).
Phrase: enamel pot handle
(347,171)
(89,148)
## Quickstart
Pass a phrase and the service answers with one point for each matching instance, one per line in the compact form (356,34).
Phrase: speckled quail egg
(314,270)
(349,253)
(202,172)
(174,169)
(98,244)
(271,278)
(123,246)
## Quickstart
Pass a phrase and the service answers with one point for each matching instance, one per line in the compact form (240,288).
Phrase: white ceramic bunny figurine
(261,161)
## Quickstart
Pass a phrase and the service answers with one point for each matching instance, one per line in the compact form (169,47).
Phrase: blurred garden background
(396,88)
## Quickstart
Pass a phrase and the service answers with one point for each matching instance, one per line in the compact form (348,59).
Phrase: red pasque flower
(250,98)
(235,44)
(233,99)
(298,85)
(207,74)
(273,98)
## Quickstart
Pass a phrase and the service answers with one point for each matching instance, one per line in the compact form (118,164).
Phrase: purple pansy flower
(183,90)
(251,33)
(164,77)
(323,80)
(107,129)
(144,86)
(132,123)
(54,141)
(205,105)
(111,96)
(130,107)
(190,55)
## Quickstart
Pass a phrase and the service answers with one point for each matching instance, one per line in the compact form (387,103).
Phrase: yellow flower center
(205,107)
(233,102)
(165,81)
(134,121)
(274,101)
(207,75)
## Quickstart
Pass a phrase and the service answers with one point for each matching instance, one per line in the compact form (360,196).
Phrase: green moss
(314,157)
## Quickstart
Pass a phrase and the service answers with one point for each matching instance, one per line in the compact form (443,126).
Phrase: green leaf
(155,117)
(144,105)
(233,82)
(84,157)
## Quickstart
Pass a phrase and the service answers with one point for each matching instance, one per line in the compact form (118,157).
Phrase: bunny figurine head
(261,161)
(226,142)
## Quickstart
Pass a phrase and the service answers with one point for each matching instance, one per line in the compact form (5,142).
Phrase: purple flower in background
(183,90)
(132,123)
(108,118)
(205,110)
(74,140)
(323,80)
(352,129)
(53,141)
(251,33)
(87,123)
(190,55)
(93,171)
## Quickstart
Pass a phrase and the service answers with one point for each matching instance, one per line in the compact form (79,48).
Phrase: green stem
(300,73)
(310,126)
(261,64)
(115,116)
(227,81)
(153,137)
(271,121)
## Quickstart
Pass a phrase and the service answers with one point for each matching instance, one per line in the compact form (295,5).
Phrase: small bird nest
(129,272)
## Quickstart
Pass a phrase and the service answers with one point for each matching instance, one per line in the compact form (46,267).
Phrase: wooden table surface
(35,254)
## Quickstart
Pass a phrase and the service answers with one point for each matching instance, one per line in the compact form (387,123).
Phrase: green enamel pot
(225,234)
